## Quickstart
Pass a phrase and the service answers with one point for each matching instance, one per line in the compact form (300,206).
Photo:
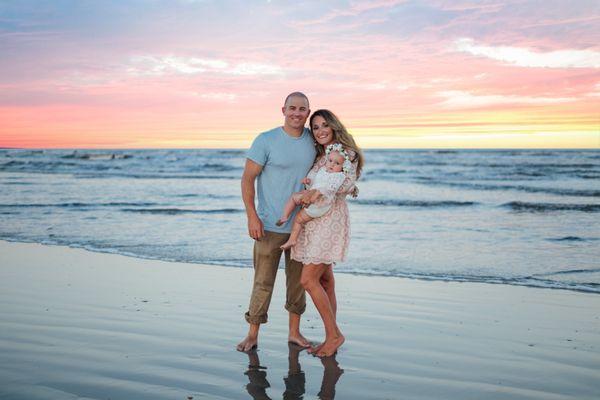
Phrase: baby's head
(337,159)
(335,162)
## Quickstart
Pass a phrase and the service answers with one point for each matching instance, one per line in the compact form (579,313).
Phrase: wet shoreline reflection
(295,381)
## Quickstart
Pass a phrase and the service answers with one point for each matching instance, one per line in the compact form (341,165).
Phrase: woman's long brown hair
(340,135)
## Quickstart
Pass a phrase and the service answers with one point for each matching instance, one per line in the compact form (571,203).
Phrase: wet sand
(77,324)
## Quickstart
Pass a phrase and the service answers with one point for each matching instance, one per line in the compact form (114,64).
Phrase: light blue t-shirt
(285,160)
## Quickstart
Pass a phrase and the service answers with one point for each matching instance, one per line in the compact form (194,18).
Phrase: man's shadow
(295,381)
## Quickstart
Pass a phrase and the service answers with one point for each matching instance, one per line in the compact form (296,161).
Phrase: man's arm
(256,228)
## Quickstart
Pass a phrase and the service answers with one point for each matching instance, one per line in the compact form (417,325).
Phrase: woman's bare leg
(311,281)
(328,283)
(301,218)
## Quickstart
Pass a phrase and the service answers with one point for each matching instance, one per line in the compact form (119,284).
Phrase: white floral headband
(338,147)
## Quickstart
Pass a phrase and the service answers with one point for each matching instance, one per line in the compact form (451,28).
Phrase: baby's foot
(281,221)
(287,245)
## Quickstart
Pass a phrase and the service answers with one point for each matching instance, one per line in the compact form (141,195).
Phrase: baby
(322,192)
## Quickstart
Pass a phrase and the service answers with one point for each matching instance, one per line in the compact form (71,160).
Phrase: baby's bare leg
(301,218)
(289,207)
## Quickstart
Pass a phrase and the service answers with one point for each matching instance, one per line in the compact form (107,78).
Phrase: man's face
(296,112)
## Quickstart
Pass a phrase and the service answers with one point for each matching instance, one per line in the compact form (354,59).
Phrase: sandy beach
(77,324)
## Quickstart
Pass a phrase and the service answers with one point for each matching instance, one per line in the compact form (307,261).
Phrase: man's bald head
(296,94)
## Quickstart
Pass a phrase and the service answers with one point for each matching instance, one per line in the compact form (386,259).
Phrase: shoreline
(80,324)
(428,278)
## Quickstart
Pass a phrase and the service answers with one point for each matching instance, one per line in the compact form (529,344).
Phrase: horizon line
(246,148)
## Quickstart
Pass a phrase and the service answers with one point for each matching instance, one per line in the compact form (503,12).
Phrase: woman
(324,240)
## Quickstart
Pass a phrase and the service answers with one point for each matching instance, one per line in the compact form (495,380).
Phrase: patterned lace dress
(325,240)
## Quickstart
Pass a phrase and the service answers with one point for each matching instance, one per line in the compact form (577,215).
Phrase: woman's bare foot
(249,343)
(315,349)
(330,346)
(287,245)
(299,340)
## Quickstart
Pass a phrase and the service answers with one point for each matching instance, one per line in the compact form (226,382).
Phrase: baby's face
(335,162)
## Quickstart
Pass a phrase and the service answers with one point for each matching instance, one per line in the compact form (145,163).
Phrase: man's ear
(283,110)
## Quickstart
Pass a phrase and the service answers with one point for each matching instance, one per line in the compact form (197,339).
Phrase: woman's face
(322,131)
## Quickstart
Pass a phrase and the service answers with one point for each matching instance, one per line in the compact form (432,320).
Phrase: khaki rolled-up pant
(266,260)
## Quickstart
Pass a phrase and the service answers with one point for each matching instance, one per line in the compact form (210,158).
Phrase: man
(278,160)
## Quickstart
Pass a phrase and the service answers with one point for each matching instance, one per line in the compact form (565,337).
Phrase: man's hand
(256,228)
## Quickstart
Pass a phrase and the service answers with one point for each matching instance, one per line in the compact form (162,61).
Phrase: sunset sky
(407,74)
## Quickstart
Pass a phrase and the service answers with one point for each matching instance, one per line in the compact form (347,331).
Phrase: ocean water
(522,217)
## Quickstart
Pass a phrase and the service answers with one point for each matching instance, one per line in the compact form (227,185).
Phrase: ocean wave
(528,281)
(78,205)
(205,196)
(549,207)
(8,152)
(529,189)
(529,165)
(446,152)
(20,165)
(384,171)
(415,203)
(97,156)
(213,167)
(567,239)
(573,239)
(232,152)
(588,176)
(178,211)
(88,175)
(570,272)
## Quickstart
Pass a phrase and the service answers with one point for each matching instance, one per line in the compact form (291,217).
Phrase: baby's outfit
(327,183)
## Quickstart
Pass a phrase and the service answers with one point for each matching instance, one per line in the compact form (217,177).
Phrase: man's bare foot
(287,245)
(299,340)
(247,344)
(281,221)
(330,347)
